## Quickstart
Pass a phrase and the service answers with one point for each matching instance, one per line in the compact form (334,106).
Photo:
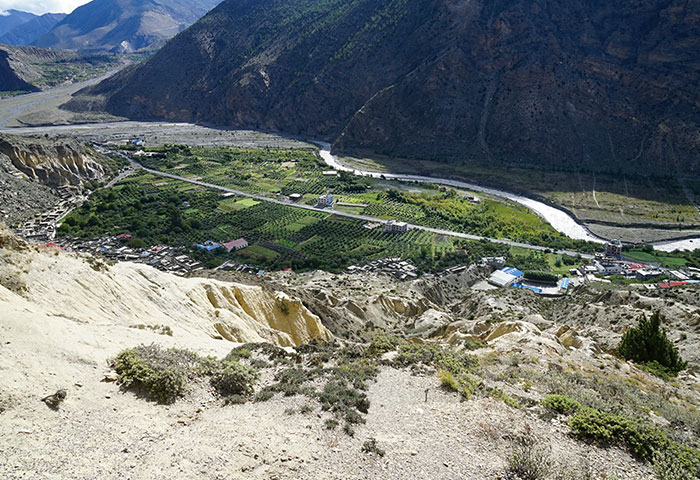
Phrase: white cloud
(41,6)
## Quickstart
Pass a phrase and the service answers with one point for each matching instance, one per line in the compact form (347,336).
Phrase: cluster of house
(396,267)
(42,227)
(162,257)
(210,246)
(611,263)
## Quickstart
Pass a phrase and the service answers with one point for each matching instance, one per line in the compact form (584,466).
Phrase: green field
(612,198)
(657,257)
(236,204)
(153,210)
(273,173)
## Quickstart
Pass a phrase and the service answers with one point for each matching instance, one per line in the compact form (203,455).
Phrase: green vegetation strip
(286,172)
(169,212)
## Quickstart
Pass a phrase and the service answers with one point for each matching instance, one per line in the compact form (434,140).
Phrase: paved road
(366,218)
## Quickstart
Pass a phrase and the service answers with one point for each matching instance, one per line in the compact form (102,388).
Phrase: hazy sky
(41,6)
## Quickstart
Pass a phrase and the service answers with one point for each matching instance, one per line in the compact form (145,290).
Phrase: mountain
(28,69)
(27,32)
(595,85)
(10,19)
(11,78)
(124,25)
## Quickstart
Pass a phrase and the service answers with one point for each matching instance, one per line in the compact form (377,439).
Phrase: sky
(41,6)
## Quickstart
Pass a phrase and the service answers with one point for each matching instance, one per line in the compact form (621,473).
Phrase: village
(601,268)
(116,248)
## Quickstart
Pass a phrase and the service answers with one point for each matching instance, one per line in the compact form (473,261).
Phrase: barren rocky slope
(62,317)
(32,168)
(602,86)
(54,162)
(457,307)
(85,290)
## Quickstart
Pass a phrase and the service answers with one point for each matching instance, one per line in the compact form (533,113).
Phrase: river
(559,219)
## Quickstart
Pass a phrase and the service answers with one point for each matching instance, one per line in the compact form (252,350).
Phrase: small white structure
(505,277)
(501,279)
(392,226)
(609,268)
(677,275)
(325,200)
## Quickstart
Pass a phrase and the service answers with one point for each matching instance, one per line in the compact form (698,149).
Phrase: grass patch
(260,252)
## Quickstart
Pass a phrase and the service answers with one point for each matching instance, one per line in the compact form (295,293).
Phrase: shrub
(162,373)
(561,404)
(528,460)
(436,356)
(666,467)
(370,446)
(647,344)
(471,344)
(382,343)
(264,395)
(644,441)
(233,378)
(601,427)
(461,384)
(338,397)
(331,423)
(290,381)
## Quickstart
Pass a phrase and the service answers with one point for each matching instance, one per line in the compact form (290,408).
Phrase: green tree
(648,345)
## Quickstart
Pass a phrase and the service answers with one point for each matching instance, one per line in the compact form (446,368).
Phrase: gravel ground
(103,433)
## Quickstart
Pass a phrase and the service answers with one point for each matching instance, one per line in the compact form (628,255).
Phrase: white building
(505,277)
(325,200)
(392,226)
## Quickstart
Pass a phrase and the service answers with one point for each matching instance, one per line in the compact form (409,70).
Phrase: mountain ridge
(123,25)
(29,31)
(503,83)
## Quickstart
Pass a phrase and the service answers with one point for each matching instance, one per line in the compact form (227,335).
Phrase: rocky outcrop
(55,162)
(601,85)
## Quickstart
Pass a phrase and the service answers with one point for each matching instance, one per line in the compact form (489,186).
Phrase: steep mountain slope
(32,169)
(41,68)
(29,31)
(10,80)
(569,85)
(13,18)
(124,25)
(54,162)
